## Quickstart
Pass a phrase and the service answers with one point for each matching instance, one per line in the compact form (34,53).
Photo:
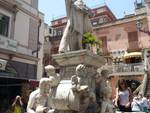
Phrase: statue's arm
(31,104)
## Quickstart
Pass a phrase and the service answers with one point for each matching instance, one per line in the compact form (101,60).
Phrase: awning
(133,54)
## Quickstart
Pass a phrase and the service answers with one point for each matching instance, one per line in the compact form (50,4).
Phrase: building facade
(21,35)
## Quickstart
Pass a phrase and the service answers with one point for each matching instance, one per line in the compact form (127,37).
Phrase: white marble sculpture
(38,100)
(55,77)
(78,24)
(78,80)
(80,85)
(105,91)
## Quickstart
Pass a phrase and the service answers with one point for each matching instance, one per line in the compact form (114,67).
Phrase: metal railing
(134,67)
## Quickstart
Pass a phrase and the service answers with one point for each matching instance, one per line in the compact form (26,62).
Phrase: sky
(56,8)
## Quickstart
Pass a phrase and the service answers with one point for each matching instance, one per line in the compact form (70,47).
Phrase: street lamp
(39,45)
(139,25)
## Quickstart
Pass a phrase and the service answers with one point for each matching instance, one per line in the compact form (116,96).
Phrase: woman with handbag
(123,96)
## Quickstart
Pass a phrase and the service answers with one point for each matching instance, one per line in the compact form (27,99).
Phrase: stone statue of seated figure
(38,99)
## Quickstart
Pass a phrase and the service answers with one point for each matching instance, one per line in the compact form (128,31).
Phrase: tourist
(144,103)
(123,96)
(136,104)
(148,100)
(17,106)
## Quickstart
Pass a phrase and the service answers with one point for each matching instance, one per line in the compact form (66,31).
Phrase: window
(109,39)
(60,22)
(118,36)
(106,19)
(54,33)
(94,23)
(50,30)
(101,20)
(59,33)
(133,41)
(4,25)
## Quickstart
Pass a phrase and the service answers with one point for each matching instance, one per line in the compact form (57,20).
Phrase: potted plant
(89,42)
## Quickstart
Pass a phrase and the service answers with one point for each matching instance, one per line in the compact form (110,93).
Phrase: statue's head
(50,69)
(81,70)
(79,3)
(103,72)
(44,85)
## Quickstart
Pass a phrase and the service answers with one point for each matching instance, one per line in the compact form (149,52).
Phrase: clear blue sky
(56,8)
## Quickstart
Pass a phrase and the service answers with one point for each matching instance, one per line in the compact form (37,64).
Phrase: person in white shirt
(123,96)
(136,104)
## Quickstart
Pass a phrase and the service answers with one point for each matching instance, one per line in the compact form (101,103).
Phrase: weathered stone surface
(78,24)
(79,57)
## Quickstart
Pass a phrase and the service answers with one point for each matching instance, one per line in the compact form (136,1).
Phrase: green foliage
(88,38)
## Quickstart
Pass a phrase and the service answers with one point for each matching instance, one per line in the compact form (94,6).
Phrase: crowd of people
(127,102)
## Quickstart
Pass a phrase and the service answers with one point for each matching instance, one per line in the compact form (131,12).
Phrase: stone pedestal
(68,62)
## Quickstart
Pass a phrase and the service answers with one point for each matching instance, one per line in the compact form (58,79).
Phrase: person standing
(148,100)
(137,104)
(123,96)
(145,104)
(17,106)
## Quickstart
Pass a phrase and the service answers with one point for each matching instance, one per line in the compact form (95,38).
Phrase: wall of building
(22,28)
(118,35)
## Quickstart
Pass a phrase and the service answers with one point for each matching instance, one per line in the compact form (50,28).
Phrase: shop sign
(3,64)
(8,44)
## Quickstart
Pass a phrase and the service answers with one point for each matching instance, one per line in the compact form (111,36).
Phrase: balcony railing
(134,67)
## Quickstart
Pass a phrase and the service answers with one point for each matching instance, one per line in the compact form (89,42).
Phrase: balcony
(128,69)
(8,44)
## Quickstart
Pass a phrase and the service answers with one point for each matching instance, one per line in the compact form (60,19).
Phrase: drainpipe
(38,48)
(38,37)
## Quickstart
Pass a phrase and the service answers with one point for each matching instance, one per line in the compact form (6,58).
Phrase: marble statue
(63,96)
(78,80)
(104,91)
(55,77)
(80,85)
(78,23)
(38,99)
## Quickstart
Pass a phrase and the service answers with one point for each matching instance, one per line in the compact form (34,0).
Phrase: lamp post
(139,25)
